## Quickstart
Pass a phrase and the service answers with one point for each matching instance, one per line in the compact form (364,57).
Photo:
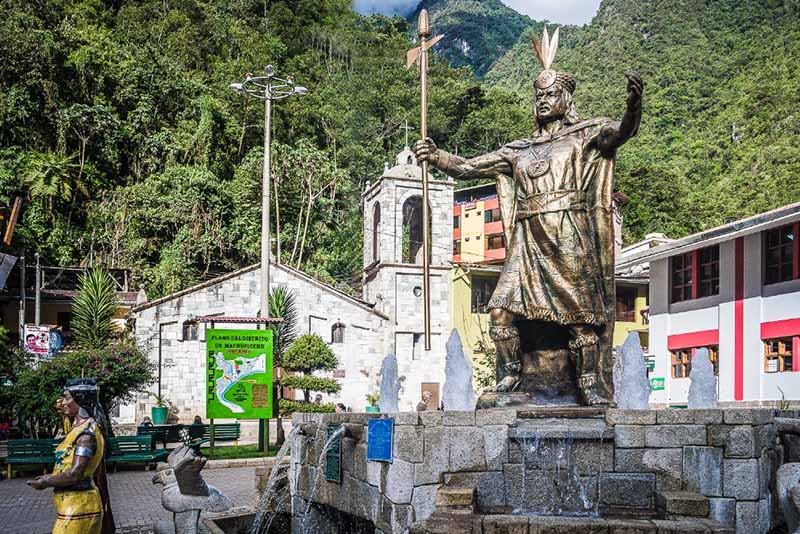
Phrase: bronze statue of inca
(554,190)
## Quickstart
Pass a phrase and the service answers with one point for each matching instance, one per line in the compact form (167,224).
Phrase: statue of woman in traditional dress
(555,201)
(80,505)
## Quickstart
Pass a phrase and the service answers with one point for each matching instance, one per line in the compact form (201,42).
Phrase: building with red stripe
(735,290)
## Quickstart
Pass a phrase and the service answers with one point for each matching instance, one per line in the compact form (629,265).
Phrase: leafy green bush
(121,370)
(312,383)
(309,353)
(288,407)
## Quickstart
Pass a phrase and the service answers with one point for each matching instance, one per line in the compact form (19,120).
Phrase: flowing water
(320,467)
(551,482)
(264,512)
(457,392)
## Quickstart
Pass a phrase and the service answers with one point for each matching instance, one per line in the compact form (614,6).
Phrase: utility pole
(38,282)
(267,88)
(22,307)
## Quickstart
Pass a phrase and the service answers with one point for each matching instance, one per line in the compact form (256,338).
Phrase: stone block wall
(722,462)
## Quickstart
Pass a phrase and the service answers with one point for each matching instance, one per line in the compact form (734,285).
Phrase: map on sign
(239,374)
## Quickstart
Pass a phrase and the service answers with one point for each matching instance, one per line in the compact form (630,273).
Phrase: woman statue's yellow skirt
(78,512)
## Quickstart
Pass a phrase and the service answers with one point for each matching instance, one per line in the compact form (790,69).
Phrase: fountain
(390,385)
(703,389)
(632,389)
(457,393)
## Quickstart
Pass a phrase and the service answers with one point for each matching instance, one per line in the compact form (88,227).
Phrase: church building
(360,331)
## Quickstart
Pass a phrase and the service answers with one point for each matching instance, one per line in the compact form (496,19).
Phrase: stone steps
(450,523)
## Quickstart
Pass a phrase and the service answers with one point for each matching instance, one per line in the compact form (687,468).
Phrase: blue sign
(379,439)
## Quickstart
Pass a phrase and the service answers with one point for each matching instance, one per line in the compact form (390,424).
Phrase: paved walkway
(136,501)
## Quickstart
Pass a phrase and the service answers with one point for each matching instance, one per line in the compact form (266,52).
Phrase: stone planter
(373,409)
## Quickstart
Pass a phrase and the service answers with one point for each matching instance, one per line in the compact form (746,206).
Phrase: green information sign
(238,374)
(651,363)
(333,456)
(657,383)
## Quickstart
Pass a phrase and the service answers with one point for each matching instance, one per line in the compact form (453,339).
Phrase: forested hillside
(720,136)
(476,32)
(118,128)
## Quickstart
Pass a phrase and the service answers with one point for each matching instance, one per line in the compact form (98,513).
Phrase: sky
(561,11)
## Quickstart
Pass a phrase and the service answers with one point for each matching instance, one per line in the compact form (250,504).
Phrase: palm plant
(52,177)
(282,304)
(94,309)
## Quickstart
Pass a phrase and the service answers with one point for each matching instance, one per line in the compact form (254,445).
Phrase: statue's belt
(551,202)
(82,485)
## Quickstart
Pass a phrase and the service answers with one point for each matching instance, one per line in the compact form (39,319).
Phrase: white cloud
(561,11)
(385,7)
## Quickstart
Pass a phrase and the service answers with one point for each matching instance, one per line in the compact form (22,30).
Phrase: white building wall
(319,307)
(761,304)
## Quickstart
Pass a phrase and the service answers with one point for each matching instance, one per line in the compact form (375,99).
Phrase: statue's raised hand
(426,150)
(635,90)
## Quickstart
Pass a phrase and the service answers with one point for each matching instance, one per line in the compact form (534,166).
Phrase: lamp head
(237,87)
(300,90)
(270,70)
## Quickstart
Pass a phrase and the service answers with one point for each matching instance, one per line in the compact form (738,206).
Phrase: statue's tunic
(79,509)
(555,201)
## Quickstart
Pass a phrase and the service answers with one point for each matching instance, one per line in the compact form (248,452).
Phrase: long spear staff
(421,53)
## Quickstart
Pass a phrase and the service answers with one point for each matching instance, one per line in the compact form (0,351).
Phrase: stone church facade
(359,331)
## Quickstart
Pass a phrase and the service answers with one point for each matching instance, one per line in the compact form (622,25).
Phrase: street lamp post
(267,88)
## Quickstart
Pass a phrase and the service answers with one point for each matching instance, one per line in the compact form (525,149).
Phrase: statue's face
(551,104)
(68,405)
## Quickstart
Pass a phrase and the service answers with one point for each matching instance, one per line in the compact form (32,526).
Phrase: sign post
(238,375)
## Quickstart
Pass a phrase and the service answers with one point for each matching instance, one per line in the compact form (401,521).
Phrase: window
(708,259)
(482,289)
(190,331)
(682,360)
(457,221)
(779,255)
(456,247)
(682,277)
(376,229)
(412,230)
(490,216)
(695,274)
(626,304)
(778,357)
(494,242)
(337,333)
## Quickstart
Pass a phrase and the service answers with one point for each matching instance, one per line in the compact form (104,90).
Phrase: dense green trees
(118,127)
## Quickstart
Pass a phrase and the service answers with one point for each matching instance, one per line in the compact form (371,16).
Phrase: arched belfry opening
(376,230)
(413,231)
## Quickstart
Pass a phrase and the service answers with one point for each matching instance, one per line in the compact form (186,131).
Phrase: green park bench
(134,449)
(222,432)
(163,433)
(31,452)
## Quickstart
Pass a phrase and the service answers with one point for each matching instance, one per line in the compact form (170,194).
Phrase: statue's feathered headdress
(546,53)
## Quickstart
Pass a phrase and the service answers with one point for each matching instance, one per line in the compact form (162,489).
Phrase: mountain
(720,136)
(476,32)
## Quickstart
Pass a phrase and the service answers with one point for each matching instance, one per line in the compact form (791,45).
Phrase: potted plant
(160,411)
(372,400)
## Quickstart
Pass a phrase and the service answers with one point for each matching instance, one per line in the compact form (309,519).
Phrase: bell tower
(393,280)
